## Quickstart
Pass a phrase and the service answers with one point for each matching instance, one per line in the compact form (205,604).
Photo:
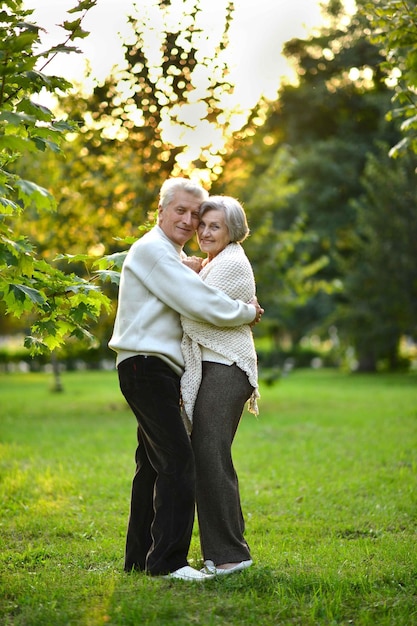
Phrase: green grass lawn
(328,484)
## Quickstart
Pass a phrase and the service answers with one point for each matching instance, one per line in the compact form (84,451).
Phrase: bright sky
(258,32)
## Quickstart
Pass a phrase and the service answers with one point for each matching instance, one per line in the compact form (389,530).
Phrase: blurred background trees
(331,214)
(322,132)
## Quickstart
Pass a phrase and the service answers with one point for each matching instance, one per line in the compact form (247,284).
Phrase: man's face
(180,218)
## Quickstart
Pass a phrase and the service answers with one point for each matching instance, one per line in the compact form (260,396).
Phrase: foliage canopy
(61,304)
(394,26)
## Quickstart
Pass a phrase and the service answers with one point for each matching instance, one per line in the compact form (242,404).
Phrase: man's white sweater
(155,289)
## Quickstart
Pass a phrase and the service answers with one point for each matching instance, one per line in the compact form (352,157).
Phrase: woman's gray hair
(234,215)
(172,185)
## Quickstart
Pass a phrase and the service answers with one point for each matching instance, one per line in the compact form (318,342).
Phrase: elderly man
(156,288)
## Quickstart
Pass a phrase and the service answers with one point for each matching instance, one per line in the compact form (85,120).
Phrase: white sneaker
(189,573)
(210,568)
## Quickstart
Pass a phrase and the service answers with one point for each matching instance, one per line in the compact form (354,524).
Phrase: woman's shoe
(210,568)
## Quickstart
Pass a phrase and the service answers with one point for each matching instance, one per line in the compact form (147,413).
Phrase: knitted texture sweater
(231,272)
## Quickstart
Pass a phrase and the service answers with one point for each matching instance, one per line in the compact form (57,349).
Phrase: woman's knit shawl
(231,272)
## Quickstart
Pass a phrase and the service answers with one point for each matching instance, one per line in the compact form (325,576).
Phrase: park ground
(328,484)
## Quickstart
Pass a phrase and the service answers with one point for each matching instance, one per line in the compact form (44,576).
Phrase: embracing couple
(187,365)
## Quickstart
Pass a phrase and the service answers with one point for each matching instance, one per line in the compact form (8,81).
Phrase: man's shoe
(210,568)
(189,573)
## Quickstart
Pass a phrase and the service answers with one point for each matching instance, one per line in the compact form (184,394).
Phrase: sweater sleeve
(180,288)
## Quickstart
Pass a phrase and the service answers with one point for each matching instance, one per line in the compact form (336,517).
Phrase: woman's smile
(212,233)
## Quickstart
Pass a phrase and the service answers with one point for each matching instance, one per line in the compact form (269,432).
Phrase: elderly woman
(220,377)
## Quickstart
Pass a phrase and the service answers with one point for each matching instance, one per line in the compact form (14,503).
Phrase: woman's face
(212,233)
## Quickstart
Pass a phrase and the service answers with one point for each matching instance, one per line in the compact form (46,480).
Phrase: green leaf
(15,118)
(8,207)
(72,25)
(31,192)
(64,49)
(83,5)
(33,294)
(23,41)
(399,147)
(35,345)
(29,26)
(36,111)
(64,125)
(130,239)
(73,258)
(81,287)
(80,33)
(43,144)
(16,144)
(111,260)
(109,276)
(411,122)
(18,247)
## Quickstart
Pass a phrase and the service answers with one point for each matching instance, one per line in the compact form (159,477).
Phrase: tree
(134,130)
(167,111)
(393,25)
(61,304)
(380,304)
(325,125)
(108,183)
